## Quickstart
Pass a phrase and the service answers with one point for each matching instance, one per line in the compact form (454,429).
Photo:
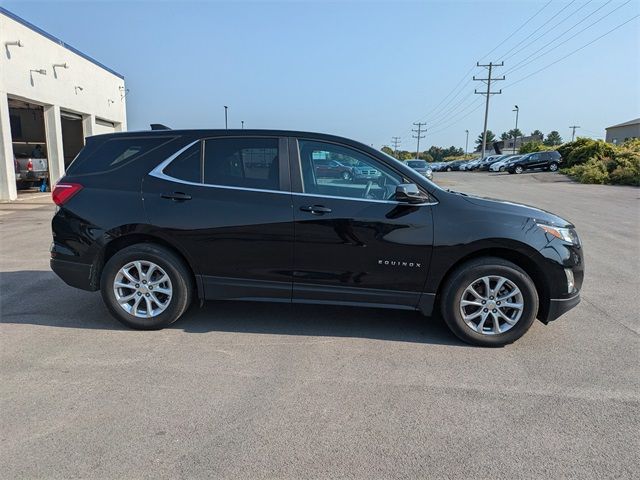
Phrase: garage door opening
(29,145)
(72,136)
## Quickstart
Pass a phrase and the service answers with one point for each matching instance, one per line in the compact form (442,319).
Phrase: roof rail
(159,126)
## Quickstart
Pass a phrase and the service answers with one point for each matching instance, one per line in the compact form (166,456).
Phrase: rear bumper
(75,274)
(560,306)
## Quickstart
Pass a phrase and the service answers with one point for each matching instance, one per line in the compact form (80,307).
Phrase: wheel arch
(126,240)
(517,257)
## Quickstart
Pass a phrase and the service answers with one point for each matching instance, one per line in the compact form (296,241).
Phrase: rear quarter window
(114,153)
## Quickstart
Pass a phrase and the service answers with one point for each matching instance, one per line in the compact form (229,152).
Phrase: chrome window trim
(158,172)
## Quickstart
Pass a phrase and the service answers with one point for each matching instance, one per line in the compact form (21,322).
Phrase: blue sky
(365,70)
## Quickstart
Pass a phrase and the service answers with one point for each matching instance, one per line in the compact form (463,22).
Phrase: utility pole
(466,144)
(515,135)
(242,122)
(488,93)
(226,125)
(418,136)
(395,141)
(573,132)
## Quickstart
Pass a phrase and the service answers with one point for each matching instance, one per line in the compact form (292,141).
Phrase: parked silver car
(31,171)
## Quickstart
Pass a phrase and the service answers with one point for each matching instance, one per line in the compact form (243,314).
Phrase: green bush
(606,164)
(584,149)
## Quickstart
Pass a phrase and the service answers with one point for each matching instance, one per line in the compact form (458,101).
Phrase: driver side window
(357,175)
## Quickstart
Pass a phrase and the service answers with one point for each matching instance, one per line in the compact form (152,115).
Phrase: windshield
(417,163)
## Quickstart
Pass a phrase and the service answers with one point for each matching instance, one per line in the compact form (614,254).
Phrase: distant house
(623,131)
(510,148)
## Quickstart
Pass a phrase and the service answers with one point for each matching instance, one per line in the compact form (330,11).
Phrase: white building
(51,95)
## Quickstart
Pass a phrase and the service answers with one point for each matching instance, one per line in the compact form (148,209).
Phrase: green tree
(405,155)
(553,138)
(514,132)
(504,136)
(490,138)
(537,133)
(388,150)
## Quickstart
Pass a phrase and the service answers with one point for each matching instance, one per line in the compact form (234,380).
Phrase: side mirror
(408,192)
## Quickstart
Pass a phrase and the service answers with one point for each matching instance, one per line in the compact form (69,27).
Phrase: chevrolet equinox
(155,219)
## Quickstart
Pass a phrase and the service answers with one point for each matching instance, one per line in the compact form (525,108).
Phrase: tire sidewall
(464,277)
(170,263)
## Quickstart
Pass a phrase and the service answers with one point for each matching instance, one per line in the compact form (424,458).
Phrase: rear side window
(242,162)
(186,166)
(114,153)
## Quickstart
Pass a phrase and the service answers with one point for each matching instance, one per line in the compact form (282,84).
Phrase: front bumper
(560,306)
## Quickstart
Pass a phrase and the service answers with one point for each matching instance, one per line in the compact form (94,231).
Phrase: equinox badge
(399,263)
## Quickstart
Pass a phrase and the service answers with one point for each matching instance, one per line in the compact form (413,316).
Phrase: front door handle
(176,196)
(316,209)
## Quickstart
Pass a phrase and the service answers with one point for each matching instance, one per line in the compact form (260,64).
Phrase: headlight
(565,234)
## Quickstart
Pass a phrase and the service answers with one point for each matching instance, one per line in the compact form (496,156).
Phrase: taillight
(30,165)
(62,192)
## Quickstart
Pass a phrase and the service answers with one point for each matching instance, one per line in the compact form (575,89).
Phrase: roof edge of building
(635,121)
(55,39)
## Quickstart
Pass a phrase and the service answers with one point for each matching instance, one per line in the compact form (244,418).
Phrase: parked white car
(500,166)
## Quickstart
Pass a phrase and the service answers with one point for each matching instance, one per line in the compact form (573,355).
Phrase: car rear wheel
(489,302)
(146,286)
(518,169)
(448,169)
(346,176)
(553,166)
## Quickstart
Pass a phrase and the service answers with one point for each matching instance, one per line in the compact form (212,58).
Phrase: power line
(535,31)
(573,52)
(418,136)
(521,63)
(488,94)
(517,29)
(440,108)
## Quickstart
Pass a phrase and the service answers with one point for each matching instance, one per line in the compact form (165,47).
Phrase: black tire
(501,169)
(175,268)
(464,276)
(448,169)
(553,167)
(518,170)
(346,176)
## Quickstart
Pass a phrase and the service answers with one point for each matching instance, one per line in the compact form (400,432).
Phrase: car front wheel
(489,302)
(553,167)
(346,176)
(518,170)
(146,286)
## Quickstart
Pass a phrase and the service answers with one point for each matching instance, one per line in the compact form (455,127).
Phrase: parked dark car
(422,167)
(454,166)
(538,160)
(157,219)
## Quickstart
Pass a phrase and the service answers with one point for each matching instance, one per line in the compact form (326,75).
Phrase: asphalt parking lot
(271,391)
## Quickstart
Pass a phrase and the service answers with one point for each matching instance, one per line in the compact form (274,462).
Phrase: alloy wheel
(142,289)
(518,169)
(491,305)
(553,167)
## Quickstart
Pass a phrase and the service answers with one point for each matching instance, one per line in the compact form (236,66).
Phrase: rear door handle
(316,209)
(176,196)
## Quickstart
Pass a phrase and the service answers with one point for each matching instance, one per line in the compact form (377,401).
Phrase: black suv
(155,219)
(537,160)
